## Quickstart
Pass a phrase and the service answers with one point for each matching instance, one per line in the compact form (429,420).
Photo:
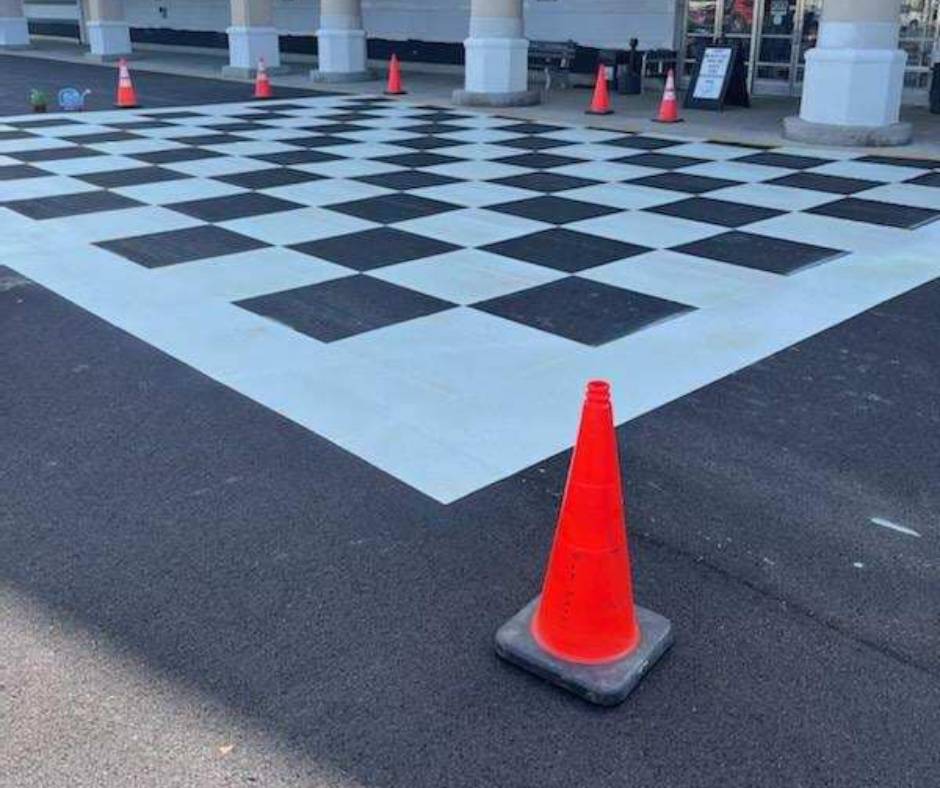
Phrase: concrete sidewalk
(759,125)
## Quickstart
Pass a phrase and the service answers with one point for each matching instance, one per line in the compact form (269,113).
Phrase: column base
(520,98)
(14,32)
(248,45)
(343,76)
(109,41)
(238,72)
(890,135)
(496,67)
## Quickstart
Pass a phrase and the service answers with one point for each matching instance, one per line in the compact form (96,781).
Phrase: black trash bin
(935,90)
(630,71)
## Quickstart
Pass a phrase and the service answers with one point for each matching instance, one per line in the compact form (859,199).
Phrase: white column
(14,34)
(252,36)
(341,43)
(854,77)
(497,54)
(109,37)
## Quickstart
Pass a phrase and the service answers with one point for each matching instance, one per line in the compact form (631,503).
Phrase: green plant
(38,98)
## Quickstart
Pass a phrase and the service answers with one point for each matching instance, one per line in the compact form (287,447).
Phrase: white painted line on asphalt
(894,526)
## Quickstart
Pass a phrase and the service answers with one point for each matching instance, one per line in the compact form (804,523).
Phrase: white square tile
(252,148)
(476,170)
(35,188)
(347,168)
(478,136)
(222,165)
(327,191)
(832,233)
(741,171)
(710,150)
(33,143)
(108,225)
(584,135)
(467,276)
(132,147)
(297,226)
(90,164)
(885,173)
(366,150)
(646,229)
(590,151)
(247,274)
(625,196)
(904,194)
(769,195)
(682,278)
(166,192)
(472,227)
(473,194)
(380,135)
(606,171)
(480,151)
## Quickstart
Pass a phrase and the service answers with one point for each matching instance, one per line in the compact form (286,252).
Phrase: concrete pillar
(109,37)
(497,53)
(252,36)
(14,34)
(854,78)
(341,43)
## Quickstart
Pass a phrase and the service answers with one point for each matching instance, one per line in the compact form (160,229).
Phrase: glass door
(775,69)
(701,20)
(737,27)
(919,33)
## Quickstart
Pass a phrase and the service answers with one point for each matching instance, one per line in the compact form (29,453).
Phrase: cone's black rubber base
(668,122)
(605,685)
(598,112)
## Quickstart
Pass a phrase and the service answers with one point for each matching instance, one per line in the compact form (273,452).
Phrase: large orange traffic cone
(584,632)
(262,83)
(600,102)
(669,107)
(126,95)
(394,87)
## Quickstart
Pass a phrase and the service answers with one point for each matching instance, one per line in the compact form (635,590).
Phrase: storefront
(775,35)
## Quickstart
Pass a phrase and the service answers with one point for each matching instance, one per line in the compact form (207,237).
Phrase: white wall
(589,22)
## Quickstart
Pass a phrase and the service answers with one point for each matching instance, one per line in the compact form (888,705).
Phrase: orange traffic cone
(600,103)
(394,87)
(669,107)
(126,95)
(262,83)
(584,632)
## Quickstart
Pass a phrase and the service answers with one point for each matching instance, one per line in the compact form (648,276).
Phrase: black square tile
(370,249)
(824,183)
(786,160)
(55,154)
(548,182)
(758,251)
(102,136)
(641,142)
(70,204)
(318,141)
(237,125)
(134,176)
(304,156)
(440,116)
(900,161)
(875,212)
(565,250)
(929,179)
(554,210)
(344,307)
(234,206)
(721,212)
(392,208)
(422,159)
(405,180)
(212,139)
(176,155)
(531,128)
(268,179)
(6,136)
(13,172)
(434,128)
(181,246)
(283,106)
(174,114)
(539,161)
(683,182)
(588,312)
(350,117)
(533,142)
(427,142)
(260,115)
(129,125)
(332,129)
(43,123)
(661,161)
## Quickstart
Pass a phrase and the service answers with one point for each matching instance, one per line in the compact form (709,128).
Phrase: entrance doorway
(775,35)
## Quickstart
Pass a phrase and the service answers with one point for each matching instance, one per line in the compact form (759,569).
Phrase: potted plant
(38,100)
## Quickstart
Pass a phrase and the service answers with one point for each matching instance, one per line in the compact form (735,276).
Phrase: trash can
(630,71)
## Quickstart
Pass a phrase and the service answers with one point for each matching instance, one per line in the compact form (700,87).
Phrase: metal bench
(554,59)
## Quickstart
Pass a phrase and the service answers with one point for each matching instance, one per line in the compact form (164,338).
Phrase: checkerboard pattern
(402,235)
